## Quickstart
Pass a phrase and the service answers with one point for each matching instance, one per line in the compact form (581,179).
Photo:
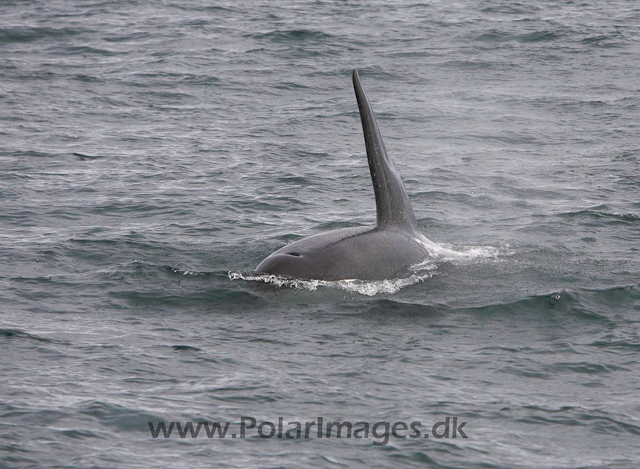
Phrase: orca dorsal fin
(393,206)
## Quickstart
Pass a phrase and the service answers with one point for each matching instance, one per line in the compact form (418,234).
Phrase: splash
(442,252)
(186,272)
(363,287)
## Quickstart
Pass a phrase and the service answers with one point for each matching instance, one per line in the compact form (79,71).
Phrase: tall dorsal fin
(392,202)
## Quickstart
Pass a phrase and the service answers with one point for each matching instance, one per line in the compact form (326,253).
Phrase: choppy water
(151,153)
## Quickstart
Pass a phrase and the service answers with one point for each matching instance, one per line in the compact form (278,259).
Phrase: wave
(29,34)
(294,35)
(607,217)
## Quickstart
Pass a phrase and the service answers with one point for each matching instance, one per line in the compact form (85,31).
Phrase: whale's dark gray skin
(384,251)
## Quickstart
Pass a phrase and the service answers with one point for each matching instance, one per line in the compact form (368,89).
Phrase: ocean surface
(152,153)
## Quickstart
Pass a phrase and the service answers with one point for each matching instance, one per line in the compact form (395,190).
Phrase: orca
(384,251)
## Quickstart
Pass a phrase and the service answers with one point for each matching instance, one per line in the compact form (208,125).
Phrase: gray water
(153,153)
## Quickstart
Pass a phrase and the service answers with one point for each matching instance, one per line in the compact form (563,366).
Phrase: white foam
(364,287)
(186,272)
(447,253)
